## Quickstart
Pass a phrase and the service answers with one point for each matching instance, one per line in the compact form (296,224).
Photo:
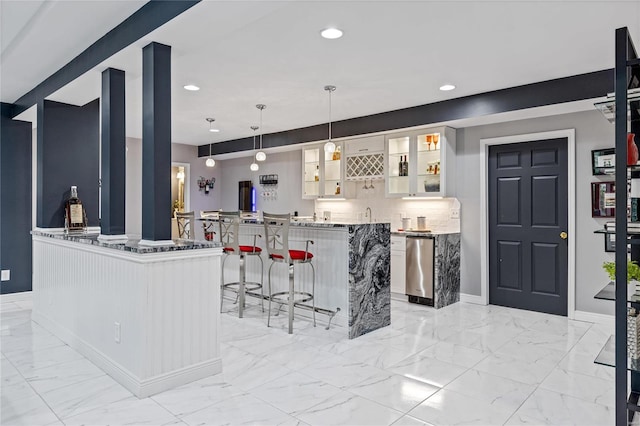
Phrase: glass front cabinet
(420,163)
(323,172)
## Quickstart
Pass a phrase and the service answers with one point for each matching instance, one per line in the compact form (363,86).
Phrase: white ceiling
(394,54)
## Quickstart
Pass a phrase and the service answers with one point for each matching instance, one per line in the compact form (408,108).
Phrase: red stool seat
(244,249)
(295,255)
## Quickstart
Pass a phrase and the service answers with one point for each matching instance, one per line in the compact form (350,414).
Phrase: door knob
(563,235)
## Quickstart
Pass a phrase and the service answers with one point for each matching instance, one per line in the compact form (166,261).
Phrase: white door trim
(187,184)
(570,134)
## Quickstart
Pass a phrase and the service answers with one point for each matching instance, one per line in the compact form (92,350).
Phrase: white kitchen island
(352,262)
(148,316)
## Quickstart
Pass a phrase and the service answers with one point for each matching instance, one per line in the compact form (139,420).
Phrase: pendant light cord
(330,115)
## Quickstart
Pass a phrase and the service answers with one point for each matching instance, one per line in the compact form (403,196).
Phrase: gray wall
(592,132)
(288,167)
(179,153)
(15,202)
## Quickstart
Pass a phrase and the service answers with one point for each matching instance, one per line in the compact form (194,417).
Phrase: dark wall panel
(15,202)
(68,154)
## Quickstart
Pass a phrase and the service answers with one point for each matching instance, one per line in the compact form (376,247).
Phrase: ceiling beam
(149,17)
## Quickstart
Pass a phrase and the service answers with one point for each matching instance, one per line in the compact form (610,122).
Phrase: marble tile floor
(463,364)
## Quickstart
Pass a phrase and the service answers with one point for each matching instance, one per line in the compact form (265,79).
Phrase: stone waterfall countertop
(130,246)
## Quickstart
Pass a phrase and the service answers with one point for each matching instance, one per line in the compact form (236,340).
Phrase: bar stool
(276,228)
(185,225)
(229,236)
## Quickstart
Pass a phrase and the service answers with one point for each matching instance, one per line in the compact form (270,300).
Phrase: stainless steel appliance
(420,269)
(246,202)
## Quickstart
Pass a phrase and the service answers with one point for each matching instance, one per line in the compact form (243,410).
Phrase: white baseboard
(140,388)
(595,318)
(472,298)
(16,297)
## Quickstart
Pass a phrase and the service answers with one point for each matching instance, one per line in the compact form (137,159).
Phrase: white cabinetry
(398,264)
(364,158)
(322,172)
(429,157)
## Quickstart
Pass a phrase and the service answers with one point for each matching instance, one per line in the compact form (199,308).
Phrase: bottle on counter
(338,188)
(316,174)
(75,218)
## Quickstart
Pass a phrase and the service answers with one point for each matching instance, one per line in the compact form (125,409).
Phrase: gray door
(528,225)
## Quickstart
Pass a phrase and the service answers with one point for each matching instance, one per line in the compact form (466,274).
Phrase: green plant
(633,270)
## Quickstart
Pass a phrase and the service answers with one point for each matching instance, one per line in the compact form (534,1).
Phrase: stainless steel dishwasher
(420,269)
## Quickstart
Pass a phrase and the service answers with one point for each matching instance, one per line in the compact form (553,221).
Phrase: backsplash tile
(437,211)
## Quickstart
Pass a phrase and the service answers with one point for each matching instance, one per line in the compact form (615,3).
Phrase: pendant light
(260,155)
(254,166)
(329,146)
(210,161)
(211,128)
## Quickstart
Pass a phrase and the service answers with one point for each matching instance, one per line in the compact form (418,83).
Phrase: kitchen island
(352,262)
(148,316)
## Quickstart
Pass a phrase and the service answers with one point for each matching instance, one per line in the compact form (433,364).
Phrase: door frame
(570,135)
(187,183)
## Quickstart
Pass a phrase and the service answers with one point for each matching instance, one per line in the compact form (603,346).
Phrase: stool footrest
(248,286)
(278,297)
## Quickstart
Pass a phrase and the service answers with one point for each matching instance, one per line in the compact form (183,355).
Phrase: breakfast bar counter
(148,316)
(352,262)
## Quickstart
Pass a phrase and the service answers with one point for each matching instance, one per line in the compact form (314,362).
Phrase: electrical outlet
(117,332)
(454,213)
(6,275)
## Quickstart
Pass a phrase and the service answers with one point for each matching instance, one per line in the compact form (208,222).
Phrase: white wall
(592,132)
(288,167)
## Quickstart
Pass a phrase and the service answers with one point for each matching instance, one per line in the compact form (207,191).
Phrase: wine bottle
(316,175)
(338,188)
(75,217)
(401,167)
(405,167)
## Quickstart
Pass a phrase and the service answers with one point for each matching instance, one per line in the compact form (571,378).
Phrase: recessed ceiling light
(331,33)
(447,87)
(191,87)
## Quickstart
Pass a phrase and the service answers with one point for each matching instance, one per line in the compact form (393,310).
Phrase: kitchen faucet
(367,213)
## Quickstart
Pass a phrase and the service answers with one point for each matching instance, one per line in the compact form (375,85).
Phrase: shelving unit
(322,172)
(626,112)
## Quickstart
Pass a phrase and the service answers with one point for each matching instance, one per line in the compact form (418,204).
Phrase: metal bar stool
(229,236)
(185,225)
(276,228)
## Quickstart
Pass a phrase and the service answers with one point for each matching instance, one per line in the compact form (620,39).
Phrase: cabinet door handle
(563,235)
(363,149)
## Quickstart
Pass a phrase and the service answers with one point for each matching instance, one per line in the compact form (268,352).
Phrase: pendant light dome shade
(210,162)
(330,146)
(254,167)
(261,156)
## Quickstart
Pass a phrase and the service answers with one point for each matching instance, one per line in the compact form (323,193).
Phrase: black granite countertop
(130,246)
(304,223)
(421,234)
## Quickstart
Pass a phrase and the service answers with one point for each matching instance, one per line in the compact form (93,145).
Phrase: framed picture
(603,199)
(610,242)
(603,161)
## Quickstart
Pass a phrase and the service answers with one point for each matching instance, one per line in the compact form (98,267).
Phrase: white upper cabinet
(322,174)
(420,163)
(364,158)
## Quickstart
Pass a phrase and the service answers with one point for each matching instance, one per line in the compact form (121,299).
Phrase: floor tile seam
(534,386)
(43,394)
(540,385)
(393,408)
(564,395)
(479,401)
(82,358)
(35,392)
(338,389)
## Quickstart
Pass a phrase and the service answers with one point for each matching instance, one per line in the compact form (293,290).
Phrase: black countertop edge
(422,234)
(305,224)
(131,246)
